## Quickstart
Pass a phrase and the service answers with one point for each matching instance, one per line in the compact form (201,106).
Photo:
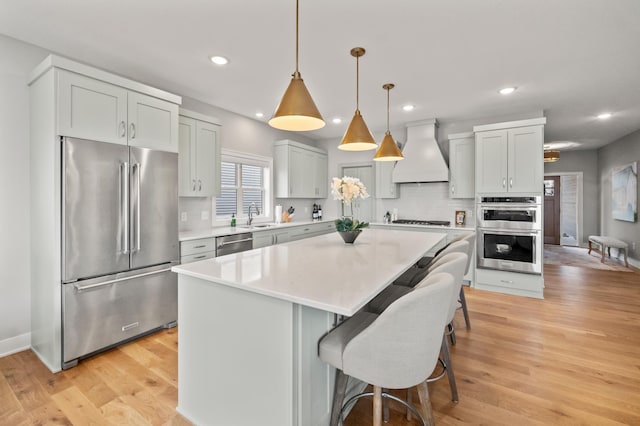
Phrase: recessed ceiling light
(604,116)
(408,108)
(259,114)
(507,90)
(219,60)
(336,120)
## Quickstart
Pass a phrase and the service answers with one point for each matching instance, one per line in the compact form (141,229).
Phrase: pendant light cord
(387,110)
(358,83)
(297,73)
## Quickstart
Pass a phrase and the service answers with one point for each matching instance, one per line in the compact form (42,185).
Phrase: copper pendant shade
(357,137)
(551,156)
(388,150)
(297,111)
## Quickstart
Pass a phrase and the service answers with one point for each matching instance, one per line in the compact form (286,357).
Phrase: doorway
(563,209)
(362,208)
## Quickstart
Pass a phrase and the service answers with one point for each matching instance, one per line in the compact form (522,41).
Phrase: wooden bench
(606,243)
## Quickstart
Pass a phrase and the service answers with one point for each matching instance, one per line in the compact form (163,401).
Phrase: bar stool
(416,273)
(453,264)
(396,349)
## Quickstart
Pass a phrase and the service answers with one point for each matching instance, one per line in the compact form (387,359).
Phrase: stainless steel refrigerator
(119,241)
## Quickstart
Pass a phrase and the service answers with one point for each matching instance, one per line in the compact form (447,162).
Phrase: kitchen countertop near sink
(227,230)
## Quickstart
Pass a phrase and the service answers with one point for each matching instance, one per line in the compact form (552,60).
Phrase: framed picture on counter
(460,215)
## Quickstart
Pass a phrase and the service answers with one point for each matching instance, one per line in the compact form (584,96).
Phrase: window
(244,179)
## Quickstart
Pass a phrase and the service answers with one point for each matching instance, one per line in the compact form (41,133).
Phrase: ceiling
(573,59)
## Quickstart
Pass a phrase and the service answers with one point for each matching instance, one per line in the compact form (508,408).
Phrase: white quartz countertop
(321,272)
(227,230)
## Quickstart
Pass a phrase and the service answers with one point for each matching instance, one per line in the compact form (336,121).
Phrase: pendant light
(297,111)
(388,150)
(551,155)
(357,137)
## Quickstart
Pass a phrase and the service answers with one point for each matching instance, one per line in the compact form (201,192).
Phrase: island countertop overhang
(320,272)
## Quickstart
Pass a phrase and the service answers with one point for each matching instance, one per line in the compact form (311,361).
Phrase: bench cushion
(608,241)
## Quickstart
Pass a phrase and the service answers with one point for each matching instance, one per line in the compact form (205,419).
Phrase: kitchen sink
(266,225)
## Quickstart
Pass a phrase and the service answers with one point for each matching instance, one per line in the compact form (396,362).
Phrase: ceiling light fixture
(259,114)
(357,137)
(507,90)
(604,116)
(337,120)
(408,108)
(219,60)
(388,150)
(297,111)
(551,155)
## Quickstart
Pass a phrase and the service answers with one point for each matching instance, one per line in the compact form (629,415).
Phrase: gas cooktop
(422,222)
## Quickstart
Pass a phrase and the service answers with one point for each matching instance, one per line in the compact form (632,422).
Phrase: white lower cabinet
(269,238)
(510,282)
(311,230)
(200,249)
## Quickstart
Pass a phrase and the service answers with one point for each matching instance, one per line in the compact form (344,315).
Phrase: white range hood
(423,160)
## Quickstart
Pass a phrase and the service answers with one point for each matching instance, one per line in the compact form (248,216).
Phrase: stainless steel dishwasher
(235,243)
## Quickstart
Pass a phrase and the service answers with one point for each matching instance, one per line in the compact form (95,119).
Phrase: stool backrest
(400,348)
(456,247)
(469,237)
(454,264)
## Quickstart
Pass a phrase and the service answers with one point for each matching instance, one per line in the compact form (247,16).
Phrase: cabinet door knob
(504,182)
(511,182)
(194,184)
(132,131)
(123,129)
(453,189)
(199,185)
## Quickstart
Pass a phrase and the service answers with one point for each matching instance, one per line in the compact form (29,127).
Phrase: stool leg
(463,302)
(626,262)
(446,357)
(338,396)
(603,250)
(410,402)
(385,407)
(452,333)
(589,252)
(377,406)
(425,404)
(609,250)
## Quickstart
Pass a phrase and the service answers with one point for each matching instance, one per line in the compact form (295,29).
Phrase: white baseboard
(15,344)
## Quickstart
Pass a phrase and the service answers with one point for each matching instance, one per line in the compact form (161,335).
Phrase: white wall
(18,60)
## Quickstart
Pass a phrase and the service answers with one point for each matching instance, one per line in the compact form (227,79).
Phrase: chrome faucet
(250,219)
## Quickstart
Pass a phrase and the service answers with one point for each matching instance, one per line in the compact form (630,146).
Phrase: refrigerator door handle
(124,211)
(79,288)
(135,170)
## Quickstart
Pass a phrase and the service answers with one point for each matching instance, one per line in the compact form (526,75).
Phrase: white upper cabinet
(93,109)
(199,160)
(300,171)
(510,160)
(385,188)
(153,123)
(462,165)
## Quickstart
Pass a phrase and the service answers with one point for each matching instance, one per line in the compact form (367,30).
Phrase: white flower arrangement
(347,189)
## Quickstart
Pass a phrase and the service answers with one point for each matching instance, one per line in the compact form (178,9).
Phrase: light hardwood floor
(573,358)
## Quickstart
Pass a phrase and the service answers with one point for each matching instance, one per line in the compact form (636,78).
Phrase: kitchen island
(249,323)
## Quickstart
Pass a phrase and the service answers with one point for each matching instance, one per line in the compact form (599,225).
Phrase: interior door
(94,208)
(362,208)
(154,207)
(552,210)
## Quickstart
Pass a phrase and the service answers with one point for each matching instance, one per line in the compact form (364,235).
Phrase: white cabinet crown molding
(54,61)
(510,124)
(201,117)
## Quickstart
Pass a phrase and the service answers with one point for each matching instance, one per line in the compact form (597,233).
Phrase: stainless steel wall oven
(510,234)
